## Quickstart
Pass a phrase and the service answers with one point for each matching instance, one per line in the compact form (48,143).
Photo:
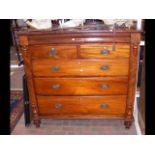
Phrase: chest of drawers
(81,74)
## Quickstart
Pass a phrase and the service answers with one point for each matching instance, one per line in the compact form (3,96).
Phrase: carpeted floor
(75,127)
(17,108)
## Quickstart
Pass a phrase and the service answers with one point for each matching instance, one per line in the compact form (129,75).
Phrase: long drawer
(105,67)
(81,86)
(77,105)
(53,51)
(105,51)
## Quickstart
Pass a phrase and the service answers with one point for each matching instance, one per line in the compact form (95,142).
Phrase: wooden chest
(81,74)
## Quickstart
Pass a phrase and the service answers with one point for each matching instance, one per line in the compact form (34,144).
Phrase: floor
(16,78)
(66,127)
(75,127)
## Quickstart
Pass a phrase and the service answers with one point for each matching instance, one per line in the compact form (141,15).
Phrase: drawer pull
(56,86)
(105,52)
(104,86)
(58,106)
(55,68)
(52,53)
(104,105)
(104,68)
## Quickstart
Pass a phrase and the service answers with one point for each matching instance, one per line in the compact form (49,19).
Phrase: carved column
(133,68)
(27,61)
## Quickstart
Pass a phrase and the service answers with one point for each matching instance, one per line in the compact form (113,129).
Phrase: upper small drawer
(105,51)
(56,52)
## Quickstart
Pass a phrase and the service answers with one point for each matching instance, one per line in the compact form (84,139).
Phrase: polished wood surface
(66,40)
(79,105)
(81,86)
(77,37)
(133,68)
(95,51)
(90,73)
(27,62)
(61,52)
(82,67)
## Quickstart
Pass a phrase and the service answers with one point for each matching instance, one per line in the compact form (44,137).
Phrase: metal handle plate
(55,68)
(104,68)
(105,52)
(52,53)
(104,105)
(104,86)
(56,86)
(58,106)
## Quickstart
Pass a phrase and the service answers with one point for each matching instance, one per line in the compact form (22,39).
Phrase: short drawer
(105,51)
(106,67)
(81,86)
(78,105)
(55,52)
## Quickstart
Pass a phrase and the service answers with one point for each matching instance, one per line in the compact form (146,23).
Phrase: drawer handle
(104,105)
(104,86)
(58,106)
(55,68)
(104,68)
(105,52)
(56,86)
(52,53)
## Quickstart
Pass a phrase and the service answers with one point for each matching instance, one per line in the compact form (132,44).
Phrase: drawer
(78,105)
(81,86)
(55,52)
(106,67)
(105,51)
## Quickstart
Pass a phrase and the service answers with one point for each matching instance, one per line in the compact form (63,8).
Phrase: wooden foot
(128,124)
(37,123)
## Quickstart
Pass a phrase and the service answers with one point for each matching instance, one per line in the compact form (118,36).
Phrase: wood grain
(76,37)
(63,52)
(81,86)
(80,67)
(94,51)
(77,105)
(27,63)
(133,68)
(77,72)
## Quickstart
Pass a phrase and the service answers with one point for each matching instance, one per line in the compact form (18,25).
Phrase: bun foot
(37,123)
(128,124)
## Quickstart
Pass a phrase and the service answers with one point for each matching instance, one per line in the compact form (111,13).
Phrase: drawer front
(83,67)
(81,86)
(55,52)
(78,105)
(105,51)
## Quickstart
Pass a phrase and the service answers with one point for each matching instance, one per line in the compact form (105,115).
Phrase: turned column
(132,84)
(28,67)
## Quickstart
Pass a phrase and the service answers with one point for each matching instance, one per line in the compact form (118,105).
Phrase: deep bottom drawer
(79,105)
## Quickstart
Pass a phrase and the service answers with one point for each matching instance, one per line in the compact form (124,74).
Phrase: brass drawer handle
(104,68)
(58,106)
(104,105)
(105,52)
(104,86)
(55,68)
(56,86)
(52,53)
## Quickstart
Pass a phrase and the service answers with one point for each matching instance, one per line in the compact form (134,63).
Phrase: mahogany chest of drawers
(81,74)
